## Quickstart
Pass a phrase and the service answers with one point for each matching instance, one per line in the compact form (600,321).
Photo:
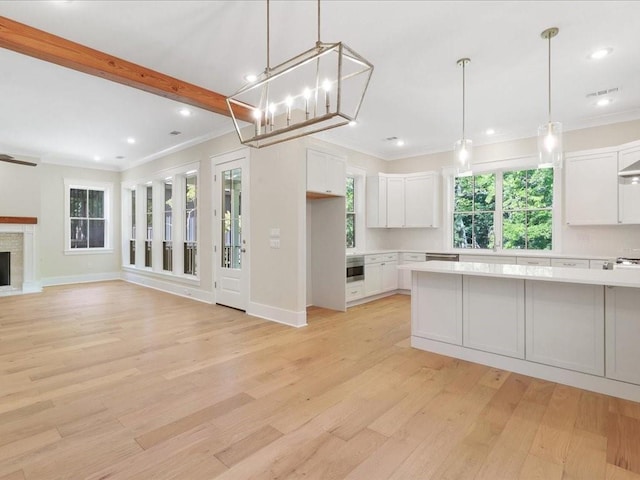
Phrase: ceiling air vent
(600,93)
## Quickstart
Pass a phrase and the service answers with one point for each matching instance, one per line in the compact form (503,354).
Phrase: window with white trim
(350,202)
(87,216)
(191,224)
(507,209)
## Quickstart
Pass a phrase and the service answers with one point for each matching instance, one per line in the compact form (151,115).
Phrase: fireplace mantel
(19,220)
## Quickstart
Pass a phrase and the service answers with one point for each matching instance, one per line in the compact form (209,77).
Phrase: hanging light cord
(318,21)
(463,98)
(549,77)
(268,65)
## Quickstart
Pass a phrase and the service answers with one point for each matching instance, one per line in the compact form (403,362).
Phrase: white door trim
(244,156)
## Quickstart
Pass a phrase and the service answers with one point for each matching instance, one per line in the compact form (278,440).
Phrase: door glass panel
(231,218)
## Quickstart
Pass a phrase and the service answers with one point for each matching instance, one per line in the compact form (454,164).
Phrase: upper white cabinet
(629,194)
(403,201)
(591,188)
(326,174)
(422,200)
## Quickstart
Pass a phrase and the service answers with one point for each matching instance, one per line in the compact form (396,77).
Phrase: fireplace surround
(18,237)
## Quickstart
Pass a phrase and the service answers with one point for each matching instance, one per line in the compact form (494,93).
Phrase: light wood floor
(115,381)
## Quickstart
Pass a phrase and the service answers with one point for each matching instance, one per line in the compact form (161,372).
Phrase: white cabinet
(390,272)
(399,201)
(591,188)
(493,315)
(372,279)
(629,194)
(422,200)
(380,273)
(395,202)
(570,263)
(376,213)
(565,325)
(534,261)
(354,291)
(404,276)
(326,174)
(436,307)
(622,333)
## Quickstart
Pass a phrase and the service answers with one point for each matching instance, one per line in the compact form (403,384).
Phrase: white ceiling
(63,116)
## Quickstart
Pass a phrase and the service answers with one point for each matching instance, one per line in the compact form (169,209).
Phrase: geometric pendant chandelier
(319,89)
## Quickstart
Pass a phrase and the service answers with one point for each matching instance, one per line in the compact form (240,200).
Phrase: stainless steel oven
(355,268)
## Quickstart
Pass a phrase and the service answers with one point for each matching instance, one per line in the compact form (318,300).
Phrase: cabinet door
(326,173)
(421,201)
(493,315)
(436,307)
(376,213)
(584,175)
(336,183)
(629,193)
(389,276)
(622,333)
(565,325)
(395,202)
(372,279)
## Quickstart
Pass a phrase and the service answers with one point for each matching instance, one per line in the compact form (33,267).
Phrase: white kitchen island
(573,326)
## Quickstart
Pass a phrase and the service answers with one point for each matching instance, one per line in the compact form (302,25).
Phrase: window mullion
(498,214)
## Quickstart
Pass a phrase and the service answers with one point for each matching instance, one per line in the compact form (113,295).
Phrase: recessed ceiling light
(131,140)
(185,112)
(603,102)
(400,142)
(600,53)
(250,77)
(120,157)
(353,123)
(490,131)
(175,132)
(97,158)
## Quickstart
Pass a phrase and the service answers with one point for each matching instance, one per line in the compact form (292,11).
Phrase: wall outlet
(274,243)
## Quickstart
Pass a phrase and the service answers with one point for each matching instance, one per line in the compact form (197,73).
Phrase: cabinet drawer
(488,259)
(536,261)
(355,290)
(570,262)
(372,259)
(390,257)
(413,257)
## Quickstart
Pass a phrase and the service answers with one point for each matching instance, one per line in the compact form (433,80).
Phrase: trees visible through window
(474,208)
(87,218)
(527,201)
(522,217)
(132,238)
(191,222)
(148,252)
(167,246)
(351,212)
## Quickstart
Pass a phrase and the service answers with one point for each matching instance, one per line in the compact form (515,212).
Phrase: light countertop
(614,278)
(503,253)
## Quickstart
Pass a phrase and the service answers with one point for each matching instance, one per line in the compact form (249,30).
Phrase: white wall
(605,241)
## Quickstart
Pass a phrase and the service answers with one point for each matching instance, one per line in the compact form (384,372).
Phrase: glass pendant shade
(550,145)
(462,153)
(319,89)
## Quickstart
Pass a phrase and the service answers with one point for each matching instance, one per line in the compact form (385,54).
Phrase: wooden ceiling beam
(36,43)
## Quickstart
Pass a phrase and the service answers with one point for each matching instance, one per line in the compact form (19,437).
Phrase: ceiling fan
(8,158)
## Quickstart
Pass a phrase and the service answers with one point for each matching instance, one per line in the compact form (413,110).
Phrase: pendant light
(319,89)
(462,149)
(550,133)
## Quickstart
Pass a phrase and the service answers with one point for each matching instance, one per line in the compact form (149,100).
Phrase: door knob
(243,250)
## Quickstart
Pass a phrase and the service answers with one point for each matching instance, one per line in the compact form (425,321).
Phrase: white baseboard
(86,278)
(181,290)
(371,298)
(279,315)
(546,372)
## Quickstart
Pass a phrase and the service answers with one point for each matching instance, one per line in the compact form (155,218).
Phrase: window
(527,201)
(191,223)
(148,252)
(132,238)
(515,206)
(167,247)
(351,212)
(474,209)
(87,217)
